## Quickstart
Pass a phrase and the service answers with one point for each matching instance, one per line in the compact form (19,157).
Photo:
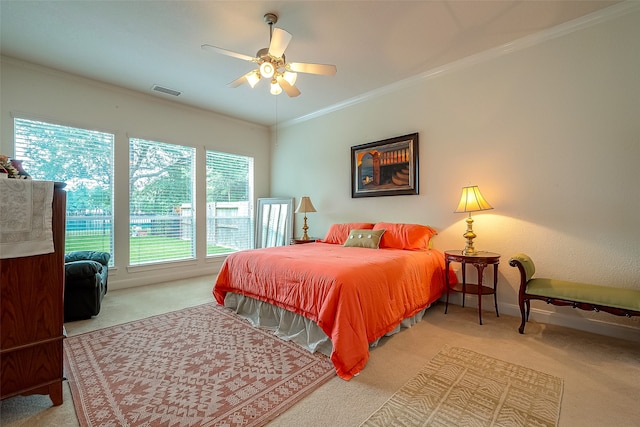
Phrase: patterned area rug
(459,387)
(201,366)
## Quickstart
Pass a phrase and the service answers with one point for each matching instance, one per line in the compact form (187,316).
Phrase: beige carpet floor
(601,374)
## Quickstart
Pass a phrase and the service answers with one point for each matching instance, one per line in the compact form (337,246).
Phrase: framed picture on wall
(385,168)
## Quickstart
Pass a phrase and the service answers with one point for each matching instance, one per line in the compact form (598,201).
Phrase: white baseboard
(596,326)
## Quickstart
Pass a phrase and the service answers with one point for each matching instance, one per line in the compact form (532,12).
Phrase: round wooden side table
(480,260)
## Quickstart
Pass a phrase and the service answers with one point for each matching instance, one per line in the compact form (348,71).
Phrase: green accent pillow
(364,238)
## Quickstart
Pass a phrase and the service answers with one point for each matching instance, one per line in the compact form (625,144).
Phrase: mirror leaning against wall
(274,222)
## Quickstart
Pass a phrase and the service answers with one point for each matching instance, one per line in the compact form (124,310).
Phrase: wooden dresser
(32,316)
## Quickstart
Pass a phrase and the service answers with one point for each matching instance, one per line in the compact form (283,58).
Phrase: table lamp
(305,206)
(471,200)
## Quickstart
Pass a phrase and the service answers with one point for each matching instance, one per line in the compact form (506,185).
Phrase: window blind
(83,159)
(229,202)
(161,202)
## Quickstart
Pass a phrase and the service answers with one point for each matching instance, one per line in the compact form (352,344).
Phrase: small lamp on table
(305,206)
(471,200)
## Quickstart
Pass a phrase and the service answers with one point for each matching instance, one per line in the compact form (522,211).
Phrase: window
(161,202)
(229,207)
(83,159)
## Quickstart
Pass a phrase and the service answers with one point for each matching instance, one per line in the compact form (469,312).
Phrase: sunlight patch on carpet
(459,387)
(197,366)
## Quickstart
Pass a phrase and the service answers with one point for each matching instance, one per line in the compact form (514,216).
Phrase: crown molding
(595,18)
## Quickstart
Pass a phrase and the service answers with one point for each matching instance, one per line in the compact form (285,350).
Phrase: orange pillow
(338,233)
(405,236)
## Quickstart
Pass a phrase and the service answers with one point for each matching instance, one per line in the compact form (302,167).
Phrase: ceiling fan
(272,64)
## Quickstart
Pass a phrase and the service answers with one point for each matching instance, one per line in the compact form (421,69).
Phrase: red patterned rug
(201,366)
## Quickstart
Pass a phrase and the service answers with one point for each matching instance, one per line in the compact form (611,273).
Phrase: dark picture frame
(385,168)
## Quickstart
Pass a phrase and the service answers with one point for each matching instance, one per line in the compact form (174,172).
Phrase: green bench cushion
(628,299)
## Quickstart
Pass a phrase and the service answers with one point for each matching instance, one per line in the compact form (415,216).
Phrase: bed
(341,293)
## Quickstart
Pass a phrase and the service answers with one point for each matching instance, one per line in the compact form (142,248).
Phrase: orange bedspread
(355,295)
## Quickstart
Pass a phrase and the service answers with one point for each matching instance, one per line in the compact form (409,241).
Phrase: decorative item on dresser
(31,290)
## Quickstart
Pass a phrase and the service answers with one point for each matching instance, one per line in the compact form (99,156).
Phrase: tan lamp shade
(305,205)
(471,200)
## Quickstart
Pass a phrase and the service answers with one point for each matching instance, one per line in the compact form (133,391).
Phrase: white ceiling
(136,44)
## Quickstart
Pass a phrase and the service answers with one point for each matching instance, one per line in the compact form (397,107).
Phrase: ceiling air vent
(168,91)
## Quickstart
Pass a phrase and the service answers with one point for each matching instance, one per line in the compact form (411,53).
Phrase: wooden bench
(617,301)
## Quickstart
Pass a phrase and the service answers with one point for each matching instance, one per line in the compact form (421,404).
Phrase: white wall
(35,92)
(550,132)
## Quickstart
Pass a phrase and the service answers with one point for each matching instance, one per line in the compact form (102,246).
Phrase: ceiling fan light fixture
(253,78)
(275,88)
(290,77)
(267,70)
(272,64)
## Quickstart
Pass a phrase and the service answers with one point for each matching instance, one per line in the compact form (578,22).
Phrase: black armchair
(86,274)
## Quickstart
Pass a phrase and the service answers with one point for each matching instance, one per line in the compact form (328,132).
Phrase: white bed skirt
(294,327)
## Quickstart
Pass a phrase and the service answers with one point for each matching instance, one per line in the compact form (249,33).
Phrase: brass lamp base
(305,236)
(469,235)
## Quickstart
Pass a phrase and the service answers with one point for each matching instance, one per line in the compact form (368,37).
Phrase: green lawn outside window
(142,248)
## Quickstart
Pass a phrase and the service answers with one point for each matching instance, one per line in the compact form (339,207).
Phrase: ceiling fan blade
(322,69)
(252,77)
(279,41)
(239,81)
(290,89)
(228,53)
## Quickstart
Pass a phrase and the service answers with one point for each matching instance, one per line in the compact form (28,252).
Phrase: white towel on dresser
(25,217)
